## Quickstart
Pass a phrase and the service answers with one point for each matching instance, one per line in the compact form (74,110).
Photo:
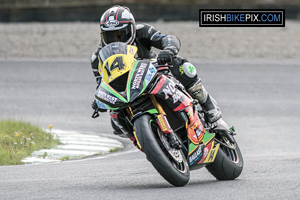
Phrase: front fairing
(139,78)
(136,76)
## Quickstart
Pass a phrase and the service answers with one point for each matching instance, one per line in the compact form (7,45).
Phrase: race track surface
(261,99)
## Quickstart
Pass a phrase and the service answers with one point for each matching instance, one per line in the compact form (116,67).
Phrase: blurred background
(70,28)
(145,10)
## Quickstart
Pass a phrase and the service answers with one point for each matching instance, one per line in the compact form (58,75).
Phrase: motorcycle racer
(117,24)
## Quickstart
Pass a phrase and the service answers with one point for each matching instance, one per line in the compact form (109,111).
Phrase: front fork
(164,124)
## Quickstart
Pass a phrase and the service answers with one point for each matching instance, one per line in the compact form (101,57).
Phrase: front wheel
(170,163)
(228,163)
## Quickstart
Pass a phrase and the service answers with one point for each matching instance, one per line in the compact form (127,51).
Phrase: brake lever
(96,113)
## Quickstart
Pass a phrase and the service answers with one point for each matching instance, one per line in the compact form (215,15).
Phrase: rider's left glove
(165,56)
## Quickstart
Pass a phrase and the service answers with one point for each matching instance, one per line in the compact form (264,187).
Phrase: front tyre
(170,163)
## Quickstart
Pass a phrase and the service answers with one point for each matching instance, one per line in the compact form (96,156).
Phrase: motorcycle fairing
(195,155)
(202,154)
(212,153)
(139,77)
(195,128)
(200,141)
(166,90)
(109,96)
(116,61)
(208,140)
(102,105)
(208,150)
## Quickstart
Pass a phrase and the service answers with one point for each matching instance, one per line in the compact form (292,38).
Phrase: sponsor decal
(211,156)
(162,123)
(152,69)
(112,23)
(181,70)
(170,90)
(192,136)
(242,18)
(150,29)
(106,97)
(150,73)
(148,77)
(197,92)
(139,75)
(191,69)
(205,152)
(195,155)
(199,130)
(131,50)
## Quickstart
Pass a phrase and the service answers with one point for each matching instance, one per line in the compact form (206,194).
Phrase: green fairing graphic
(116,94)
(192,146)
(130,79)
(152,111)
(206,138)
(111,108)
(144,86)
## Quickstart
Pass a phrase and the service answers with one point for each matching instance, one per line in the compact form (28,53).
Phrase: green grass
(114,149)
(65,158)
(19,139)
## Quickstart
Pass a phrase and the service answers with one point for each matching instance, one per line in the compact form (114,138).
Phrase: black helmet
(117,24)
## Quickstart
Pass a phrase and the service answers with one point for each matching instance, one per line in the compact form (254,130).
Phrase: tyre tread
(223,168)
(155,155)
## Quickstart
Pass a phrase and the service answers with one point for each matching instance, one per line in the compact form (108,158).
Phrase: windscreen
(112,49)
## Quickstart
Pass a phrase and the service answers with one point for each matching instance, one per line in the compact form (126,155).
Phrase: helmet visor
(122,35)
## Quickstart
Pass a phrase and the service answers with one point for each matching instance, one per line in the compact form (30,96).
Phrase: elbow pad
(172,43)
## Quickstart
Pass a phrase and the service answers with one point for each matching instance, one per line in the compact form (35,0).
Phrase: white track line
(75,145)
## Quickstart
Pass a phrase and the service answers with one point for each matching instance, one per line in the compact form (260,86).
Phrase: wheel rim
(175,156)
(230,153)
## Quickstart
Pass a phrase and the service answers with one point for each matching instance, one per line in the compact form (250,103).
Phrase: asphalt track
(261,99)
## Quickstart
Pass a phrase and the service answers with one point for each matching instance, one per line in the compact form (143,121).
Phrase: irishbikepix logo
(242,18)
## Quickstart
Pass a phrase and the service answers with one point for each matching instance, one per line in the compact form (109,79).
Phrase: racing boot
(197,91)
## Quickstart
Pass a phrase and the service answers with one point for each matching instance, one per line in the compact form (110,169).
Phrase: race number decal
(118,63)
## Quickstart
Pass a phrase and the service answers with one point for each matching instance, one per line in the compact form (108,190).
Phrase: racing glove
(165,56)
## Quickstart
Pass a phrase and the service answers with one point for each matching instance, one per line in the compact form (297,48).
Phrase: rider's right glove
(165,56)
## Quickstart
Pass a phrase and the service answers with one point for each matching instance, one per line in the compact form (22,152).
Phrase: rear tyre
(170,163)
(228,163)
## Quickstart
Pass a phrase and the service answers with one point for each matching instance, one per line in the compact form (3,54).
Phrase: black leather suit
(146,38)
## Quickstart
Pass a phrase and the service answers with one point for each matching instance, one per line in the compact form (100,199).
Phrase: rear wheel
(169,162)
(228,163)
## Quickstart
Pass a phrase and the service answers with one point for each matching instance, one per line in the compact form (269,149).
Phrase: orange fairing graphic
(195,129)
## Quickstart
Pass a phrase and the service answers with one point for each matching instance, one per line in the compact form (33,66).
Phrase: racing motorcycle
(154,110)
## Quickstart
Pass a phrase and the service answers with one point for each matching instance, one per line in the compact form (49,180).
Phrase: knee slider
(188,69)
